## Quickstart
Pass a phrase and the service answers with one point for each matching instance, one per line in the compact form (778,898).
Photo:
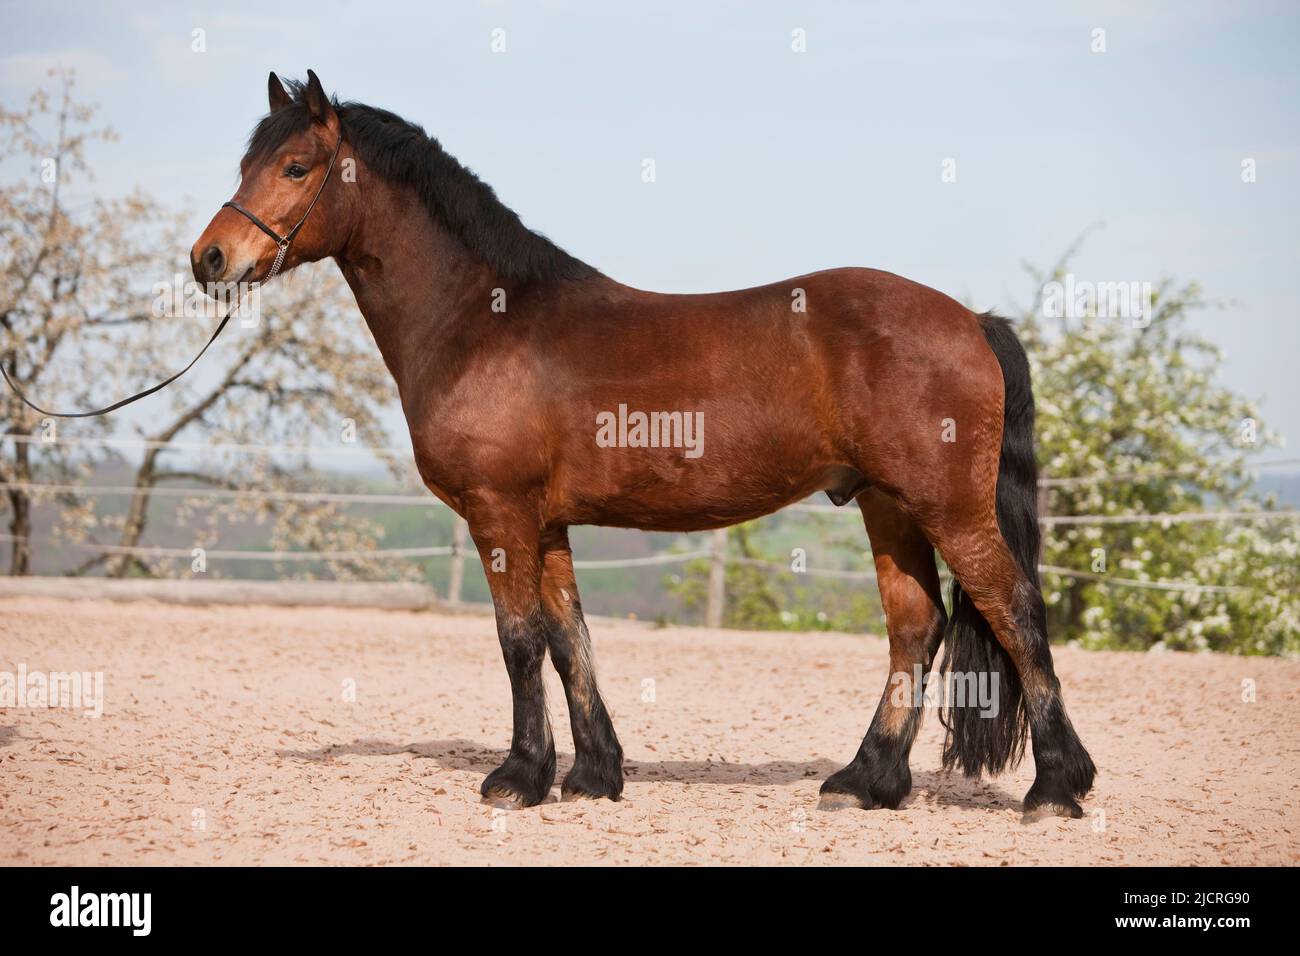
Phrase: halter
(282,243)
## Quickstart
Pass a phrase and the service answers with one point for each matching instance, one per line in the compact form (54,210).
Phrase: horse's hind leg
(598,758)
(914,616)
(1013,608)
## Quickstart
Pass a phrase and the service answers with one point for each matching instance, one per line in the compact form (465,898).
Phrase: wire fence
(716,553)
(250,554)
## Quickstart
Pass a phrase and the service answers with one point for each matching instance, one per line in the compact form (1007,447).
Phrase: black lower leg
(525,778)
(878,775)
(598,758)
(1063,771)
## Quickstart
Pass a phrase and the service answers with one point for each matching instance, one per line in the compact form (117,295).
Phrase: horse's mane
(456,198)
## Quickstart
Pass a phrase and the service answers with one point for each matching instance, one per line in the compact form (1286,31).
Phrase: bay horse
(509,353)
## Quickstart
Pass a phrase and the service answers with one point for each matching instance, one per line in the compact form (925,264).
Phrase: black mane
(456,198)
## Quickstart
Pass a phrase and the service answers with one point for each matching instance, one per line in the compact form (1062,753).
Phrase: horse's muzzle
(209,265)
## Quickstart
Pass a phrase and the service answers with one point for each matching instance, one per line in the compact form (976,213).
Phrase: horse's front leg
(507,537)
(597,757)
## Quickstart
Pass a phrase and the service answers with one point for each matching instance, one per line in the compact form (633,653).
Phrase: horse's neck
(412,280)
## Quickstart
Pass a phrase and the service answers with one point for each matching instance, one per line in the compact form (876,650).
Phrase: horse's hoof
(594,780)
(840,801)
(577,796)
(1046,800)
(516,784)
(860,787)
(1046,809)
(504,800)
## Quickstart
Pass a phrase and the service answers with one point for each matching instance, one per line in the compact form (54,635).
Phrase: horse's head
(289,187)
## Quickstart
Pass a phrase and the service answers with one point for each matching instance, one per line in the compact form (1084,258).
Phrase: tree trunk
(20,506)
(20,526)
(136,516)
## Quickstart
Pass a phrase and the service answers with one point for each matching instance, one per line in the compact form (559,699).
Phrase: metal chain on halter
(279,260)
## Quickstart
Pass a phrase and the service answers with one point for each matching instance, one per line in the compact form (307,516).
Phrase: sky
(770,162)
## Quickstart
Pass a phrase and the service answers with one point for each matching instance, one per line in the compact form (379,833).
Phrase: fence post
(717,598)
(456,577)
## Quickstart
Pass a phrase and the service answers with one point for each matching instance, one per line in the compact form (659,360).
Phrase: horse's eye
(296,171)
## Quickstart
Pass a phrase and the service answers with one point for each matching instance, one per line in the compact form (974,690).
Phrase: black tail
(976,742)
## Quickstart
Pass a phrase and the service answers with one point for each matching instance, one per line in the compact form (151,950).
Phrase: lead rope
(225,319)
(282,243)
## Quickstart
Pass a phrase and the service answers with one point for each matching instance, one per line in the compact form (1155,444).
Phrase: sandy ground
(227,737)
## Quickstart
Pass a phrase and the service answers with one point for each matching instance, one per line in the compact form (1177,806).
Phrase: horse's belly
(680,499)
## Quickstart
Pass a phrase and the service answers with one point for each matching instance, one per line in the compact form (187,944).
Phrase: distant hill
(1284,484)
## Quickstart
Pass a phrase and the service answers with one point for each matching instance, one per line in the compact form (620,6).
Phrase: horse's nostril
(214,262)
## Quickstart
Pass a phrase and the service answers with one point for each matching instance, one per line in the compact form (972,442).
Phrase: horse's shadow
(948,789)
(8,735)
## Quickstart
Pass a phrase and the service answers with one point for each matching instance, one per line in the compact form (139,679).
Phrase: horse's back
(792,387)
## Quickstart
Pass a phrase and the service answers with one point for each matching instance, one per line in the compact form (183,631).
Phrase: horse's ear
(319,104)
(276,93)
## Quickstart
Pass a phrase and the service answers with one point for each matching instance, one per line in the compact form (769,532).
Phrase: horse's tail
(976,742)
